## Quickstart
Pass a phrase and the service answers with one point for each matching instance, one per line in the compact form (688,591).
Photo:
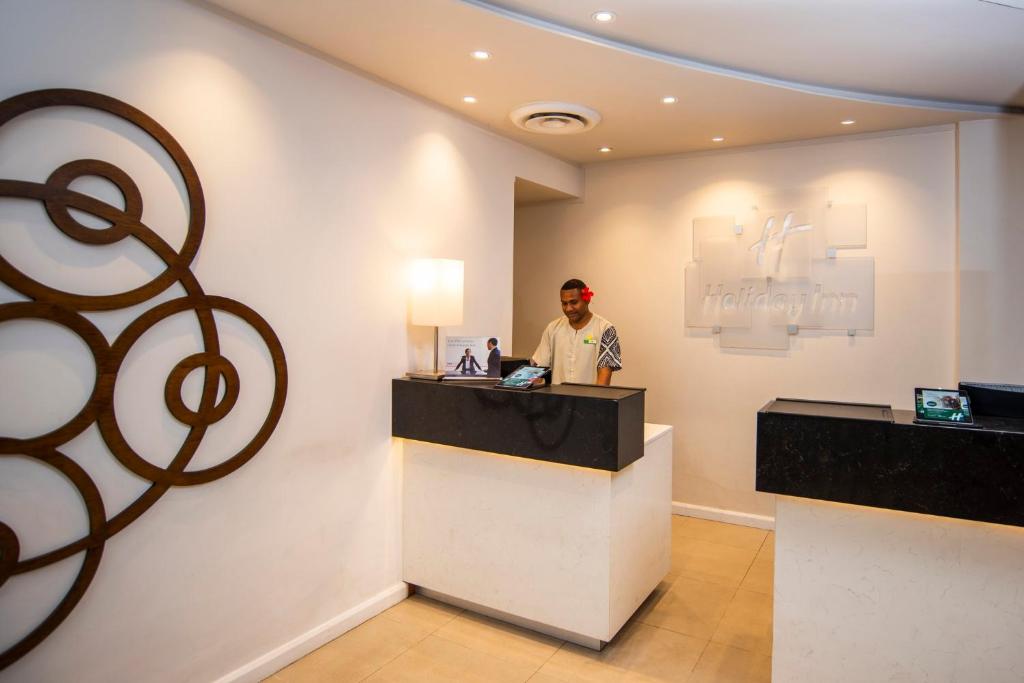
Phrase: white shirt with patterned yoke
(575,355)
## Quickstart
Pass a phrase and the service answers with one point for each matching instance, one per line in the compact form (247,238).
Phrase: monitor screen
(943,405)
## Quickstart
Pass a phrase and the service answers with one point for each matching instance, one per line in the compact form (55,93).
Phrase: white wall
(320,185)
(631,237)
(992,250)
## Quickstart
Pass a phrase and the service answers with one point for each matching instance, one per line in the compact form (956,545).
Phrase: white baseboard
(299,647)
(720,515)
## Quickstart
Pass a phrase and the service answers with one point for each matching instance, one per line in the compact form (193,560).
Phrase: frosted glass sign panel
(843,296)
(759,335)
(759,281)
(693,305)
(720,266)
(710,307)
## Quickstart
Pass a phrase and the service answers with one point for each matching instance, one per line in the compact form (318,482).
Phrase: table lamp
(435,300)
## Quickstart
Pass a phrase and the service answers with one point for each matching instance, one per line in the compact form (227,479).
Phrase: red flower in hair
(586,294)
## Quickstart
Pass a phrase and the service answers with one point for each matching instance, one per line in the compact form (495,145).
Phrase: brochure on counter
(473,359)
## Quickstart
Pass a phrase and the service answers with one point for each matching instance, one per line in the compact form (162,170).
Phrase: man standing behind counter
(580,347)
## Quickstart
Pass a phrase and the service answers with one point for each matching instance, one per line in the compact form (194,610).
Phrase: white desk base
(563,550)
(863,594)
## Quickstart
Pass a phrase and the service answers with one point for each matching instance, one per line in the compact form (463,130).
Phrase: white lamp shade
(436,292)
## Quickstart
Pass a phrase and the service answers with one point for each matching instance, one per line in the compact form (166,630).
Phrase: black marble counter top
(573,424)
(869,455)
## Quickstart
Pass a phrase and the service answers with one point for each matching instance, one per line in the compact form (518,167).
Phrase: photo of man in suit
(467,362)
(493,358)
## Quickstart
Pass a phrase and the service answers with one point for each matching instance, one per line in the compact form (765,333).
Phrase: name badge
(589,339)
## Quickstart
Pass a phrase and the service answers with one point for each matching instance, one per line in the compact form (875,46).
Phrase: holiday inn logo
(768,234)
(757,280)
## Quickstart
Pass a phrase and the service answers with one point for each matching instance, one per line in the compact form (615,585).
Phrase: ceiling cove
(684,62)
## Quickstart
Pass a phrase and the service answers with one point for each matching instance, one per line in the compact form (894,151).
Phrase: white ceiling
(959,50)
(752,71)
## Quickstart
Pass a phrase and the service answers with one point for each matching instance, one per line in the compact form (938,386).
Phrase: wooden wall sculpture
(66,308)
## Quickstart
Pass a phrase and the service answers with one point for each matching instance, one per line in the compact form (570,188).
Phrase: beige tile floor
(710,620)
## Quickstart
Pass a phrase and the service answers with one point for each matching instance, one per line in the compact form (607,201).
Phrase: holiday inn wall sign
(783,269)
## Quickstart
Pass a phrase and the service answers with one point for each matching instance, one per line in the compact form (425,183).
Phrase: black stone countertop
(871,456)
(573,424)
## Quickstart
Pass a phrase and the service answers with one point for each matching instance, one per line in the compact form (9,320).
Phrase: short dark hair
(493,341)
(574,283)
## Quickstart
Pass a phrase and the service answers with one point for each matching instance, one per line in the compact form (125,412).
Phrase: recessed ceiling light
(605,150)
(480,54)
(669,100)
(604,16)
(847,122)
(469,99)
(718,138)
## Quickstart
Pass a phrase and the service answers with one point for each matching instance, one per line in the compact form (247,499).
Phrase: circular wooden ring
(217,366)
(98,347)
(9,549)
(107,419)
(58,203)
(122,222)
(94,551)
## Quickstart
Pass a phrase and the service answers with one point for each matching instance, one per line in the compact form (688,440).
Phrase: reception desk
(899,548)
(550,509)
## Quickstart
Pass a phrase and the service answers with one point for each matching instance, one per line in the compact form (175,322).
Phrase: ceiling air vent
(555,118)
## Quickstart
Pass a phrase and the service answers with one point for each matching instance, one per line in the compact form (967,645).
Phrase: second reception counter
(550,509)
(899,547)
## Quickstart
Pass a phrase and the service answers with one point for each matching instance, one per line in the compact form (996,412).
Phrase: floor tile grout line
(735,589)
(751,565)
(727,545)
(477,614)
(470,647)
(441,626)
(707,643)
(732,599)
(699,538)
(756,556)
(411,646)
(544,663)
(714,631)
(760,548)
(697,663)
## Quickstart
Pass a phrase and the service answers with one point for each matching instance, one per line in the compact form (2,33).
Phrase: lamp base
(426,374)
(434,375)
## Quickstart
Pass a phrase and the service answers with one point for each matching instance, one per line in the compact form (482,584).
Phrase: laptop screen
(943,405)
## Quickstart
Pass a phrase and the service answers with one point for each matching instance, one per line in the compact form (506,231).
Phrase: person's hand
(538,381)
